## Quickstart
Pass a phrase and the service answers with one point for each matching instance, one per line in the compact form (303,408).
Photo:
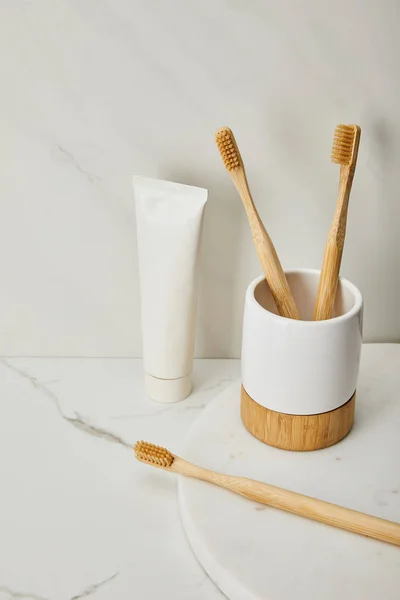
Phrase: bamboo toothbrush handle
(317,510)
(334,250)
(266,253)
(272,268)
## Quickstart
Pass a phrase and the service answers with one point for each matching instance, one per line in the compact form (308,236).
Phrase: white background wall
(95,90)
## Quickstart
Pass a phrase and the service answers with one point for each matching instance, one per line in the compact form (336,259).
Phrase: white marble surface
(79,515)
(253,552)
(95,90)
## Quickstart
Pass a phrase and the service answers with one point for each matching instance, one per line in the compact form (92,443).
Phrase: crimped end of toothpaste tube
(167,390)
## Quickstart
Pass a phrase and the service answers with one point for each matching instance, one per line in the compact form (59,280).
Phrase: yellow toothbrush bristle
(153,455)
(228,148)
(343,144)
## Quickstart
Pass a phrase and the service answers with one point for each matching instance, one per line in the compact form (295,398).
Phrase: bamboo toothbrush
(344,152)
(318,510)
(265,249)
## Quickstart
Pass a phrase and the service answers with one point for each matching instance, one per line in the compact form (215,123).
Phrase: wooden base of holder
(297,432)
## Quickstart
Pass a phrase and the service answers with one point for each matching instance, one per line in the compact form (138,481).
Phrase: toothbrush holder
(299,378)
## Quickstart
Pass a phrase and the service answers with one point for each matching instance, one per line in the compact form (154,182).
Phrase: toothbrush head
(153,455)
(228,149)
(345,145)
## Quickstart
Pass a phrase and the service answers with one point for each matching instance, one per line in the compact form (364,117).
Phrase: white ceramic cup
(301,367)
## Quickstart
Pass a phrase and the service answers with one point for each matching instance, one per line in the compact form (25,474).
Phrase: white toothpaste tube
(169,219)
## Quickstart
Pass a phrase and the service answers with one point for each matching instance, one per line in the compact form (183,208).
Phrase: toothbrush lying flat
(344,153)
(265,249)
(318,510)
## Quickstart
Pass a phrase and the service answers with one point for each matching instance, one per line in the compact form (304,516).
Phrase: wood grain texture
(305,506)
(335,241)
(297,432)
(267,254)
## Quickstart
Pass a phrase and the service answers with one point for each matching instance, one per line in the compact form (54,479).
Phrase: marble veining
(91,589)
(88,591)
(77,420)
(14,594)
(80,516)
(69,158)
(95,91)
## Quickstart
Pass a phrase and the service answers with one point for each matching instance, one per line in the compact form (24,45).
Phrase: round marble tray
(256,552)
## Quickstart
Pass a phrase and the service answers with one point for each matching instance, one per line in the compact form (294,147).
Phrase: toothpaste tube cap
(167,390)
